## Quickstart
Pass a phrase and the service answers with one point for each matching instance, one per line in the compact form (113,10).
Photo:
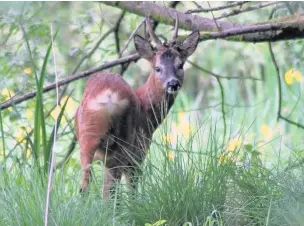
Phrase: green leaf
(248,147)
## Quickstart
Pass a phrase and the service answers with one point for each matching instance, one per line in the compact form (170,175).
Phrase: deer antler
(152,34)
(175,32)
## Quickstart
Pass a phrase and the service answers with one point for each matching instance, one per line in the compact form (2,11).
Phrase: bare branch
(218,28)
(131,37)
(203,10)
(220,76)
(92,51)
(283,29)
(69,79)
(116,32)
(249,8)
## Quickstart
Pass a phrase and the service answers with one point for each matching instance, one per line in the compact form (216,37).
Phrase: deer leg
(111,176)
(86,158)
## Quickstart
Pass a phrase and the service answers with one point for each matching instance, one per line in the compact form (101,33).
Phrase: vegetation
(230,151)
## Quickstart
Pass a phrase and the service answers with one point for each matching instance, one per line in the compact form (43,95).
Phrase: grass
(190,188)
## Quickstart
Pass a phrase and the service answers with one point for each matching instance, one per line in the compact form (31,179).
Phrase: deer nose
(173,86)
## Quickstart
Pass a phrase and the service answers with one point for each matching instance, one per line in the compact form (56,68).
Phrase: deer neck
(155,102)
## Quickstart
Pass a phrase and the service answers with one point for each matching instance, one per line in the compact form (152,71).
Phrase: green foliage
(195,174)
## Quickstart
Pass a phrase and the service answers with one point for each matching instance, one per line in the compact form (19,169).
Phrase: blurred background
(231,87)
(248,76)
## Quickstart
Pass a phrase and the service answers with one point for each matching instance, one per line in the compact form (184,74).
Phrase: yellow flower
(266,131)
(70,106)
(55,113)
(181,116)
(167,138)
(233,144)
(28,153)
(222,158)
(28,71)
(171,155)
(292,75)
(22,133)
(185,129)
(29,114)
(298,76)
(6,94)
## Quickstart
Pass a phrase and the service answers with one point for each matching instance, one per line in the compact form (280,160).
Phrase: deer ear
(190,44)
(143,47)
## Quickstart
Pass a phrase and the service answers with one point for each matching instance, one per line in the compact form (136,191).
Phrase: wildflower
(29,114)
(70,106)
(222,158)
(6,94)
(266,131)
(233,144)
(171,156)
(28,153)
(167,138)
(22,133)
(184,128)
(292,75)
(28,71)
(55,114)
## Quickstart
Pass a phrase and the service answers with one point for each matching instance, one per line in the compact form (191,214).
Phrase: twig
(279,113)
(69,79)
(279,80)
(222,94)
(131,37)
(242,30)
(220,76)
(249,8)
(200,9)
(218,28)
(92,51)
(222,108)
(116,32)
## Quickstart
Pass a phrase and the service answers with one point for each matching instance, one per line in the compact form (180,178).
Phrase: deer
(115,123)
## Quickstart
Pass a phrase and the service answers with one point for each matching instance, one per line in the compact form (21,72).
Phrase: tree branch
(218,8)
(69,79)
(284,29)
(248,9)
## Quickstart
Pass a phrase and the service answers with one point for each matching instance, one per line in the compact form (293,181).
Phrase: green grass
(194,188)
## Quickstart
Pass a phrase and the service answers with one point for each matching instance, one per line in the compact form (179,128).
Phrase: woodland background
(231,150)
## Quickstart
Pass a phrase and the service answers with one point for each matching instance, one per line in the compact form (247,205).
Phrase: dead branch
(284,29)
(218,8)
(248,9)
(69,79)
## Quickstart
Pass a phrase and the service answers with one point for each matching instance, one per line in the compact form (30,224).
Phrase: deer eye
(157,69)
(180,66)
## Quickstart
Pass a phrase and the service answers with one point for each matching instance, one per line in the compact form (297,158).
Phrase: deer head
(167,59)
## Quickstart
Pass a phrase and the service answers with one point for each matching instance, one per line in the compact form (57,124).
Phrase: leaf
(159,223)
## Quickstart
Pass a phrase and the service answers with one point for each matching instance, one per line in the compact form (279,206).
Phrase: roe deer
(115,123)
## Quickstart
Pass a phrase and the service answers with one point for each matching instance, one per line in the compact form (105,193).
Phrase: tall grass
(195,187)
